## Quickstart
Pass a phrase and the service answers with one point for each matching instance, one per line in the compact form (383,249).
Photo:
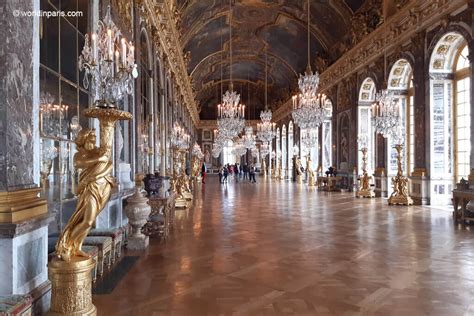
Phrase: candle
(117,61)
(109,44)
(94,47)
(124,53)
(243,111)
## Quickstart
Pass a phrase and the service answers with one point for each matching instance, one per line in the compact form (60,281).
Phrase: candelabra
(109,64)
(309,138)
(400,183)
(386,118)
(364,180)
(180,184)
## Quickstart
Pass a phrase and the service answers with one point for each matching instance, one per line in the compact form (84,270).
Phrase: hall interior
(220,157)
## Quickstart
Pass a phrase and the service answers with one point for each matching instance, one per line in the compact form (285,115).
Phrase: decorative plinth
(71,287)
(138,242)
(187,196)
(299,179)
(365,194)
(400,200)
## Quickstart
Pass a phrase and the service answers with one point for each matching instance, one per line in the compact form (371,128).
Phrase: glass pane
(68,6)
(49,39)
(82,21)
(68,51)
(69,103)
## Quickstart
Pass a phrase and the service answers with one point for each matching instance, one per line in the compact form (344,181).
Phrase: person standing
(221,174)
(203,173)
(246,169)
(252,174)
(226,174)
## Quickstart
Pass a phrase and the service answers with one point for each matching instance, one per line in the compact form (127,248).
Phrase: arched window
(366,98)
(450,114)
(399,81)
(327,138)
(462,116)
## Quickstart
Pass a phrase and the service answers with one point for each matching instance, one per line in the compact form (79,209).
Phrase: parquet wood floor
(285,249)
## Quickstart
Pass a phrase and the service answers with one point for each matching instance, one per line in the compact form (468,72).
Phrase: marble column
(163,133)
(419,179)
(23,214)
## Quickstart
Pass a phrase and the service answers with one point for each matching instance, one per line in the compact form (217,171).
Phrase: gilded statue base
(365,194)
(299,179)
(400,200)
(181,203)
(187,196)
(311,182)
(71,287)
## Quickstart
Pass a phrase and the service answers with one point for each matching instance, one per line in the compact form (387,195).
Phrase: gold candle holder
(364,180)
(400,195)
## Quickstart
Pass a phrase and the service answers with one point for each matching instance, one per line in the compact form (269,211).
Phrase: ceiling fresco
(278,26)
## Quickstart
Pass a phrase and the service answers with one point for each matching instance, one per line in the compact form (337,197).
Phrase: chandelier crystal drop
(108,61)
(239,147)
(386,113)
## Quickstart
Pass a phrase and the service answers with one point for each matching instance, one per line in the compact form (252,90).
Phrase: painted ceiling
(276,26)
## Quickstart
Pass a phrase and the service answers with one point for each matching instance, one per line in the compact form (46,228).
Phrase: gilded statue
(95,181)
(310,171)
(95,186)
(299,173)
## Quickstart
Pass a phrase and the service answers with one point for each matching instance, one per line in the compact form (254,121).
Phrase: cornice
(166,35)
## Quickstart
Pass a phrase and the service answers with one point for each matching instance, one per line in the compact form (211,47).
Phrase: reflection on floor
(284,249)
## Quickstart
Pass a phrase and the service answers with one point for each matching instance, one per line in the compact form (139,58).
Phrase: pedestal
(181,203)
(23,255)
(420,187)
(71,286)
(137,211)
(365,194)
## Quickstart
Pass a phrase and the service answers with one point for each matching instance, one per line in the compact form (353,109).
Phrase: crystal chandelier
(254,152)
(309,138)
(230,118)
(179,138)
(386,113)
(216,150)
(239,148)
(309,107)
(264,149)
(109,61)
(249,138)
(231,114)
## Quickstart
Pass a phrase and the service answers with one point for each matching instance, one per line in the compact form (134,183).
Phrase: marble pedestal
(24,255)
(420,187)
(124,173)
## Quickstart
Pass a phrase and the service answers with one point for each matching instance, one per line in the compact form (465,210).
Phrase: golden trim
(16,206)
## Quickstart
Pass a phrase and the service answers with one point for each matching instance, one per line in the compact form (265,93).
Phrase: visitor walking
(203,173)
(226,174)
(252,174)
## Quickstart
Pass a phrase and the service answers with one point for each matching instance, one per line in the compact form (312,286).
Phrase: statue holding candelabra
(364,180)
(112,77)
(310,172)
(386,118)
(180,181)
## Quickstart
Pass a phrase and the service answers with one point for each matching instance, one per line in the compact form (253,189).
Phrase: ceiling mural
(280,26)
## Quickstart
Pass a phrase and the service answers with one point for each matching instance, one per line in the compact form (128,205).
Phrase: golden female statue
(95,182)
(93,192)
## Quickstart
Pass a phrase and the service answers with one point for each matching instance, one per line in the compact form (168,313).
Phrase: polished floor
(284,249)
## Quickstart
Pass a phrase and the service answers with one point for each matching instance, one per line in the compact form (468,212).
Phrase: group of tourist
(237,173)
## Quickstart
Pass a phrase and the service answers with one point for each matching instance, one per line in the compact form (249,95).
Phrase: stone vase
(137,211)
